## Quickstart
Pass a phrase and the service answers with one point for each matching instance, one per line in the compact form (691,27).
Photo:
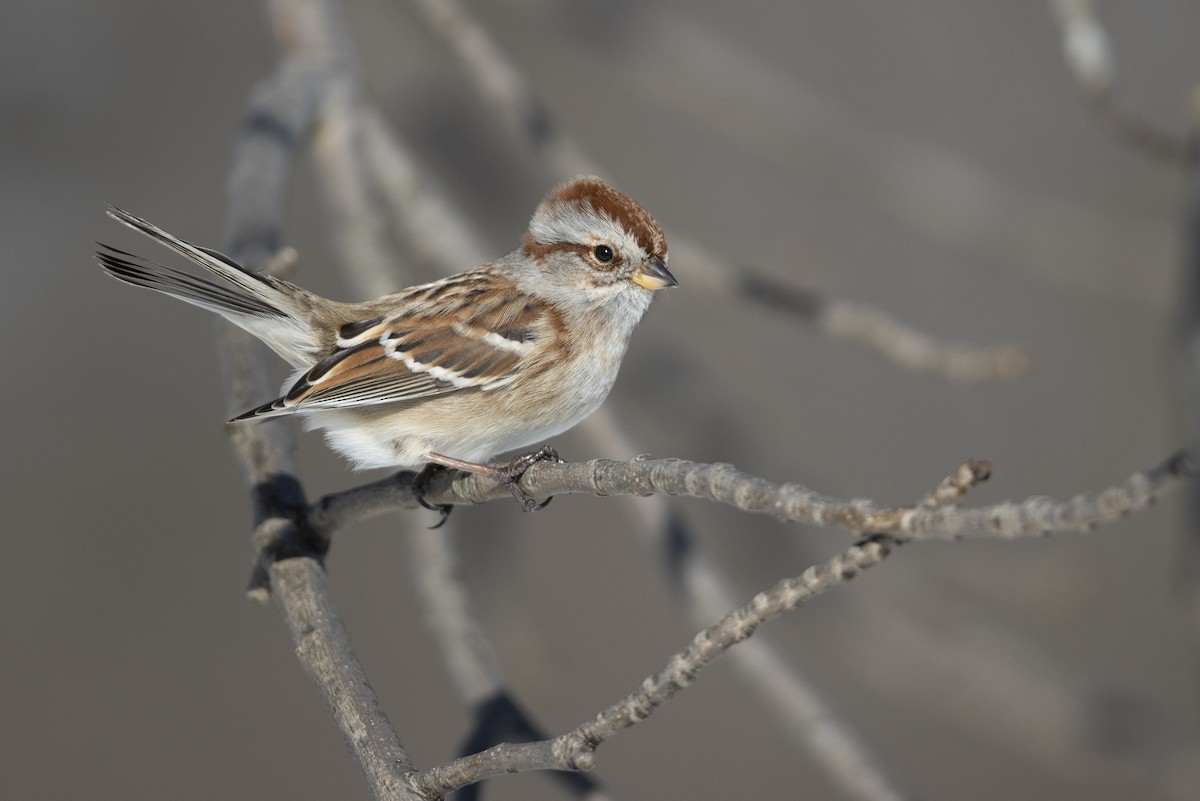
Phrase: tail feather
(228,269)
(275,311)
(145,273)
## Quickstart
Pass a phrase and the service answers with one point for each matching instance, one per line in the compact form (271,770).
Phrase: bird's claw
(510,475)
(420,485)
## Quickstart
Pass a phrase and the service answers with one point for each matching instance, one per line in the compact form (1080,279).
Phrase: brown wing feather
(469,331)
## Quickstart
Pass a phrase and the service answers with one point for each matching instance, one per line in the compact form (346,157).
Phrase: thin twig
(469,657)
(1088,55)
(520,115)
(528,128)
(798,706)
(576,749)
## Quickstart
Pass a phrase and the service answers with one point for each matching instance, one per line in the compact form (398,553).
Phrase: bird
(453,372)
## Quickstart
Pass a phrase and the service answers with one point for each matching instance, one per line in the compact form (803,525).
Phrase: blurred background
(932,159)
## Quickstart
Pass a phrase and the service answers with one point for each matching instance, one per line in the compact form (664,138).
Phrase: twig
(528,128)
(787,693)
(1088,56)
(576,749)
(521,116)
(919,351)
(427,225)
(470,659)
(1190,348)
(726,484)
(502,720)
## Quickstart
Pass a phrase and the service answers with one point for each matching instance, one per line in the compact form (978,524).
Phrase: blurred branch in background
(530,130)
(282,112)
(1088,55)
(576,749)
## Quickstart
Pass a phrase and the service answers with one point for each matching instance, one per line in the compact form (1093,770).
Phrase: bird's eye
(603,253)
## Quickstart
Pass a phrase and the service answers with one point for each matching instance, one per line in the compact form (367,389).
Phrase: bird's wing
(471,331)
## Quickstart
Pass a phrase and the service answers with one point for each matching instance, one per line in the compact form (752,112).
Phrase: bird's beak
(652,274)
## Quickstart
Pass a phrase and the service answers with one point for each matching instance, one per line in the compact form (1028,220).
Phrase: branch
(726,484)
(576,749)
(813,723)
(528,128)
(281,112)
(1088,56)
(470,659)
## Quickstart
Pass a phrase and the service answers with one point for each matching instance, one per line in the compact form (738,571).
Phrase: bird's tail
(275,311)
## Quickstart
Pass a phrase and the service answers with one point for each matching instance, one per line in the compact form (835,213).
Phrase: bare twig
(787,693)
(917,350)
(526,123)
(1190,348)
(726,484)
(529,129)
(956,485)
(576,749)
(1088,55)
(469,657)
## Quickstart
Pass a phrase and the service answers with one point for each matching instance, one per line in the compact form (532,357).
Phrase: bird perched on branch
(455,371)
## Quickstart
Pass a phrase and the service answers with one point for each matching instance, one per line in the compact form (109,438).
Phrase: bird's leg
(508,474)
(420,484)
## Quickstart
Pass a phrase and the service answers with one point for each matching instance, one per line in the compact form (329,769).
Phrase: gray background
(930,157)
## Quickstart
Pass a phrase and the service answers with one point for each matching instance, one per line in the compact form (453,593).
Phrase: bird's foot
(507,474)
(420,485)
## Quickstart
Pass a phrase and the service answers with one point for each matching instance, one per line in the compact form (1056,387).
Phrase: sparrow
(455,371)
